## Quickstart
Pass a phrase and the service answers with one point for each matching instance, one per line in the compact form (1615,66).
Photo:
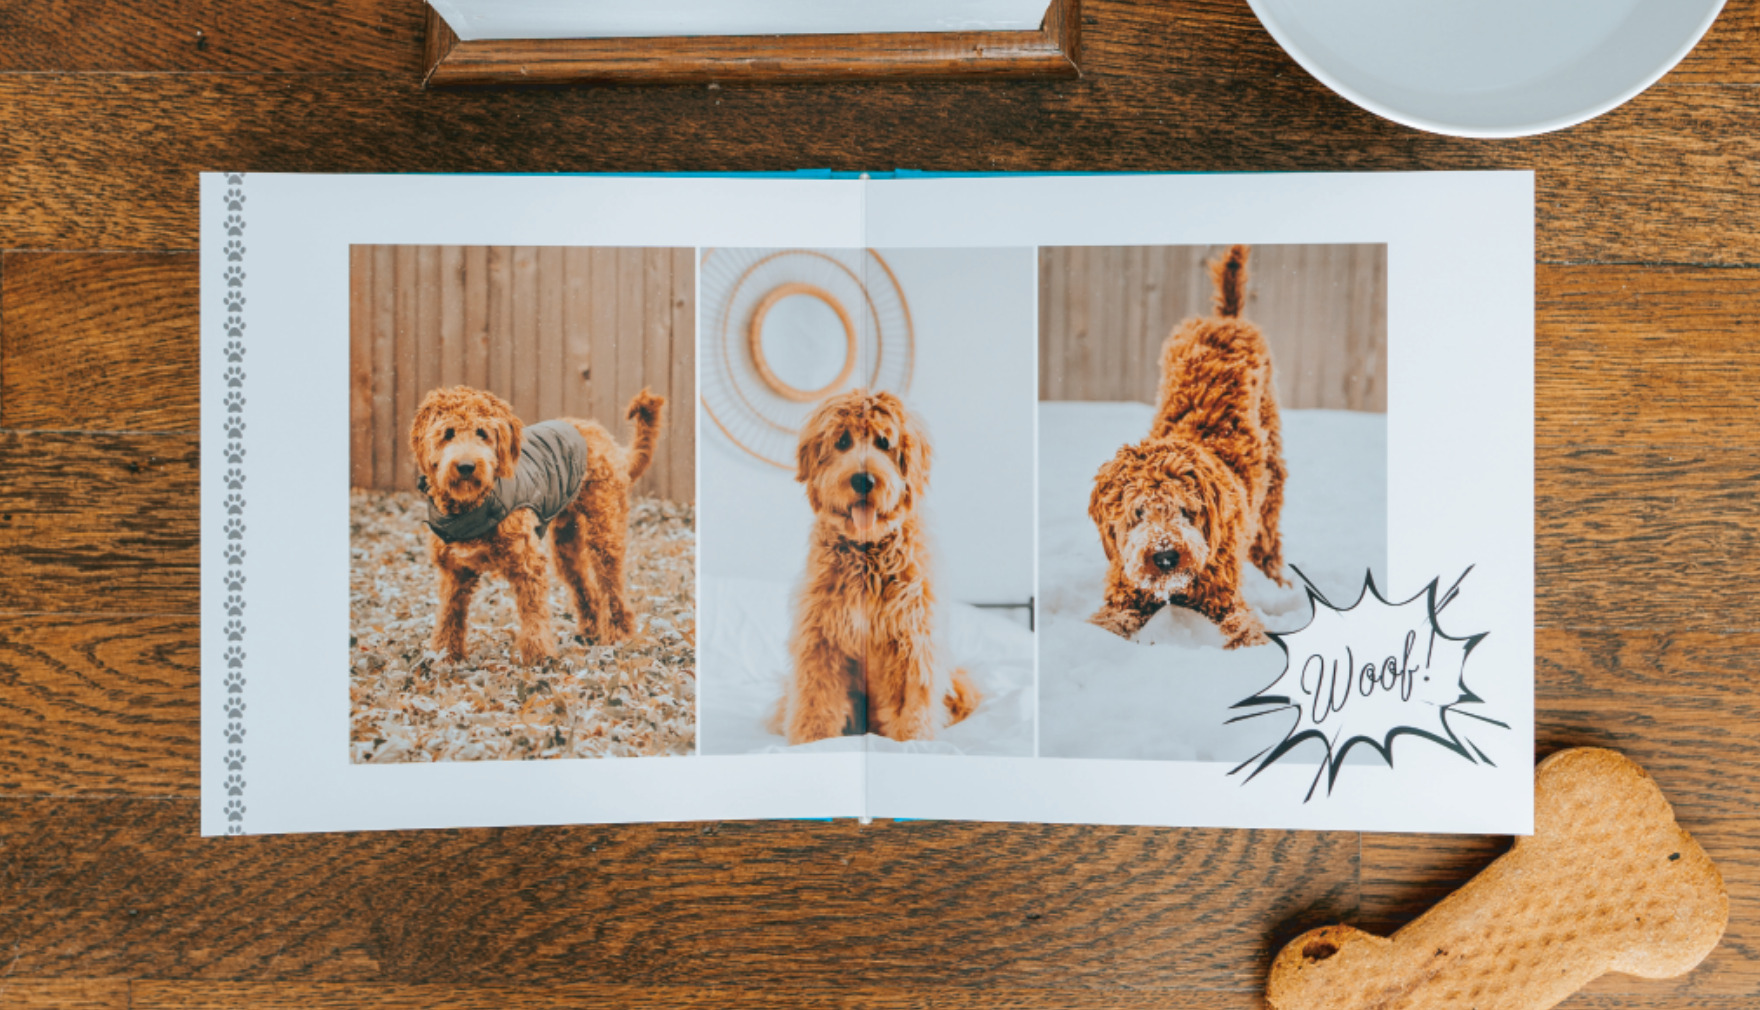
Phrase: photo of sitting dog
(864,650)
(497,488)
(1182,512)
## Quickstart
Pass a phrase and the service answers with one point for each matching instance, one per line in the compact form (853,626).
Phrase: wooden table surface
(1648,369)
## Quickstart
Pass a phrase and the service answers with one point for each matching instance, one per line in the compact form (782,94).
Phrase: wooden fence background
(556,331)
(1104,311)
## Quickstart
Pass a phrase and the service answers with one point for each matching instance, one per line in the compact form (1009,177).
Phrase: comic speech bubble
(1365,675)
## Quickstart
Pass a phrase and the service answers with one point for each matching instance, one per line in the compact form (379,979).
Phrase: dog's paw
(534,653)
(1121,621)
(1243,630)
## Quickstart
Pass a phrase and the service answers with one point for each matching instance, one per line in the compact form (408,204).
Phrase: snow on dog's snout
(1163,555)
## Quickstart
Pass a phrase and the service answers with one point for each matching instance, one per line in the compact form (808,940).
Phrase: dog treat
(1607,882)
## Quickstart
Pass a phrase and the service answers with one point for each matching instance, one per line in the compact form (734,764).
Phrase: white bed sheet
(743,656)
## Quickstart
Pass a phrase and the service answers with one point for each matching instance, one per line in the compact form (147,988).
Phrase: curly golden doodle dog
(496,487)
(1182,512)
(863,645)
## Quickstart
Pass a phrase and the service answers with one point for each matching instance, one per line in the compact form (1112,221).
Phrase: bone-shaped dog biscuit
(1607,882)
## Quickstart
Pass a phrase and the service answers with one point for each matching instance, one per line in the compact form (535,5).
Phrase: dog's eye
(881,443)
(844,442)
(447,437)
(482,434)
(1139,514)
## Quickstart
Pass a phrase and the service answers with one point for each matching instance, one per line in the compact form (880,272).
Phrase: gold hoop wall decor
(755,342)
(783,329)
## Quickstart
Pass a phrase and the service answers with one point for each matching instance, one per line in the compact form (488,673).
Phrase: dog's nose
(1167,561)
(466,469)
(862,482)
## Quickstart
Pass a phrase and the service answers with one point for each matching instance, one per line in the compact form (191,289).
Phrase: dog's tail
(644,410)
(962,698)
(1230,273)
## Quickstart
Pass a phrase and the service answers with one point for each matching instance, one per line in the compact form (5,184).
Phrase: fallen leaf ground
(635,698)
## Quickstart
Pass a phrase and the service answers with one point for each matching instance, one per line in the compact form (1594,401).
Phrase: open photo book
(1194,500)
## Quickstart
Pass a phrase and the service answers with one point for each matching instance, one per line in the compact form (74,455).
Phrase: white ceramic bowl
(1487,68)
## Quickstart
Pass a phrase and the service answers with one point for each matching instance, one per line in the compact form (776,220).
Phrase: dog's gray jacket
(552,464)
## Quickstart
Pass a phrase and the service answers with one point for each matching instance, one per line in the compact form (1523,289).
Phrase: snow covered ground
(1167,694)
(743,656)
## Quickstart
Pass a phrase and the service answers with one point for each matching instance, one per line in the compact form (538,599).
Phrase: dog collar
(552,468)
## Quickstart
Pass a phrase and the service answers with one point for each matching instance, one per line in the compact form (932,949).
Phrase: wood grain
(99,704)
(111,162)
(64,993)
(691,59)
(854,995)
(98,523)
(1647,356)
(212,36)
(98,341)
(777,905)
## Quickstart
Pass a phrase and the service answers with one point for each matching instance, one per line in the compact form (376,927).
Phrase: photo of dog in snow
(506,429)
(868,580)
(1212,423)
(1182,512)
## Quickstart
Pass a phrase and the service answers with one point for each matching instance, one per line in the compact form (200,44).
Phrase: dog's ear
(913,444)
(418,432)
(508,435)
(1104,504)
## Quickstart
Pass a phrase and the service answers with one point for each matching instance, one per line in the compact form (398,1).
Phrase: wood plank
(386,438)
(98,523)
(428,333)
(360,366)
(1647,355)
(213,36)
(453,319)
(476,316)
(577,324)
(551,366)
(99,341)
(405,359)
(656,360)
(499,302)
(602,331)
(1663,178)
(777,905)
(853,994)
(64,993)
(681,405)
(522,389)
(1639,539)
(99,705)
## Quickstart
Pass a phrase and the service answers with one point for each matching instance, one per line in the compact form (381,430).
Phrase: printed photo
(868,565)
(1213,448)
(522,577)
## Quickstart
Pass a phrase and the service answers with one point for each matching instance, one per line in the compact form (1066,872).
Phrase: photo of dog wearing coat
(1212,424)
(522,521)
(868,574)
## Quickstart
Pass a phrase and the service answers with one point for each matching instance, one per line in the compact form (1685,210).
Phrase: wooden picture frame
(1051,51)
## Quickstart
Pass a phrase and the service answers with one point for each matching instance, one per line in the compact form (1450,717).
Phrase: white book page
(1431,484)
(277,753)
